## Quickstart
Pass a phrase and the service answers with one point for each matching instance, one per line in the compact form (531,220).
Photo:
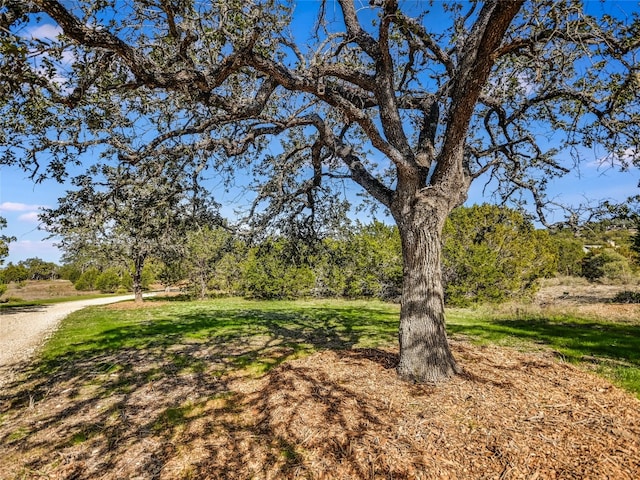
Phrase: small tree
(204,248)
(129,216)
(4,241)
(4,252)
(39,269)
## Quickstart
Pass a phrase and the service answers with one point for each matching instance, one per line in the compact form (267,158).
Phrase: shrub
(605,263)
(626,297)
(87,280)
(108,281)
(493,254)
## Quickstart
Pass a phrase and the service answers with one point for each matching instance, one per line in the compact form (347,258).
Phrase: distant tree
(39,269)
(229,269)
(204,248)
(128,216)
(15,273)
(4,252)
(412,101)
(569,252)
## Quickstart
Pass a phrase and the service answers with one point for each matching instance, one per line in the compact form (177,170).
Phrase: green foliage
(364,262)
(493,254)
(147,277)
(39,269)
(108,281)
(635,241)
(3,288)
(87,280)
(70,272)
(15,273)
(205,247)
(276,270)
(605,263)
(569,253)
(135,215)
(4,241)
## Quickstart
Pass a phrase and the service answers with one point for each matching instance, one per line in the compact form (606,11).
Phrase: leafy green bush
(605,263)
(108,281)
(87,280)
(271,271)
(493,254)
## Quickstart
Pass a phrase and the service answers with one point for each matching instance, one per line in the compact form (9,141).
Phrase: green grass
(255,336)
(250,334)
(612,348)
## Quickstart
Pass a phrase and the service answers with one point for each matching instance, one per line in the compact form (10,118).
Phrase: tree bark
(137,278)
(425,355)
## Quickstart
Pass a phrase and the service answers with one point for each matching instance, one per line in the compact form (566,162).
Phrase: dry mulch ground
(334,414)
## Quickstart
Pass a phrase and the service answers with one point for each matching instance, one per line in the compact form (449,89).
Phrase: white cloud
(50,32)
(31,217)
(23,249)
(45,31)
(614,159)
(18,207)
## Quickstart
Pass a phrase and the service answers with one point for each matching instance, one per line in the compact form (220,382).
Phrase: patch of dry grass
(43,290)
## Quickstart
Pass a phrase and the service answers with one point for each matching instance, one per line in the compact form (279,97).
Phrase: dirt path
(23,330)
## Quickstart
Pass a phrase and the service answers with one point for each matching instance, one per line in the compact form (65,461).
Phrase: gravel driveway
(23,330)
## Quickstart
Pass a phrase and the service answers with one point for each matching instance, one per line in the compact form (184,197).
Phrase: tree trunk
(137,278)
(425,355)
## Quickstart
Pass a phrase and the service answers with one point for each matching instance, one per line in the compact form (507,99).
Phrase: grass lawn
(610,348)
(259,334)
(251,334)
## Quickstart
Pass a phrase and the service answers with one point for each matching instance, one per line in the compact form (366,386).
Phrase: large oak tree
(412,101)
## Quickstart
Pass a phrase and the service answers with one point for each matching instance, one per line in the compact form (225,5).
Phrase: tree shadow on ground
(135,391)
(576,339)
(22,308)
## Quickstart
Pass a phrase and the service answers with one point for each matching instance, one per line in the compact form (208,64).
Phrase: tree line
(490,254)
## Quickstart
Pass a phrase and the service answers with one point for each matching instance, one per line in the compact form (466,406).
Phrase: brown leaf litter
(335,414)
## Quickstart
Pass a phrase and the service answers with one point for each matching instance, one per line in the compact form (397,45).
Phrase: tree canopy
(411,101)
(5,240)
(127,215)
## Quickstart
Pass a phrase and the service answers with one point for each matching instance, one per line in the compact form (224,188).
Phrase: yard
(231,388)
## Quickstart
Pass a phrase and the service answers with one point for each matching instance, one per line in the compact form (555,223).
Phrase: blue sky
(21,199)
